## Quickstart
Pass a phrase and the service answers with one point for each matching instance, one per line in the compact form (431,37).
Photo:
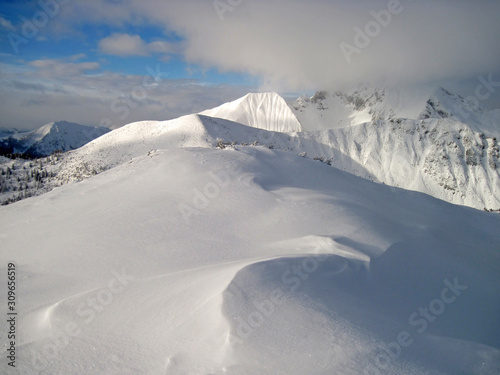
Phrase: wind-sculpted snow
(267,111)
(246,260)
(350,320)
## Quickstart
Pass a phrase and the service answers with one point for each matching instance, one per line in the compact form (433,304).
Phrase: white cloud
(6,24)
(57,90)
(290,45)
(162,47)
(50,68)
(123,45)
(78,56)
(133,45)
(295,44)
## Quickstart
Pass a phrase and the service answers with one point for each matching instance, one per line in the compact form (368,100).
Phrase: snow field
(292,267)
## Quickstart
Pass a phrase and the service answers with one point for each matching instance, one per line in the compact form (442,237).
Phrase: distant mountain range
(55,136)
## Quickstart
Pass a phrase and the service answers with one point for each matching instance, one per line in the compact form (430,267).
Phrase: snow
(444,104)
(267,111)
(325,110)
(443,158)
(54,136)
(6,132)
(164,254)
(284,266)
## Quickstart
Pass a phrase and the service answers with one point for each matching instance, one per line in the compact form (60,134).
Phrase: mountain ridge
(440,156)
(45,140)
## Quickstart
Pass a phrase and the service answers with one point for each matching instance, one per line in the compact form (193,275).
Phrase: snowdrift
(197,260)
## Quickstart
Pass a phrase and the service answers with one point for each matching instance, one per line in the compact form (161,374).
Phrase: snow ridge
(443,158)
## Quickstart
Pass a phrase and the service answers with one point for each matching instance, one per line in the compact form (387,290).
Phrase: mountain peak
(445,104)
(54,136)
(266,110)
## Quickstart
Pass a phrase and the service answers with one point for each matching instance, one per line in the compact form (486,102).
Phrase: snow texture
(187,247)
(198,260)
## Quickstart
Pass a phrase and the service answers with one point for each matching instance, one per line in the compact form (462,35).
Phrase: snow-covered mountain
(444,104)
(55,136)
(439,144)
(438,155)
(201,245)
(184,258)
(326,110)
(267,111)
(7,132)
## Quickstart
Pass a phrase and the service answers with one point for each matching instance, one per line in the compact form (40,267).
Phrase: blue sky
(84,38)
(34,61)
(82,61)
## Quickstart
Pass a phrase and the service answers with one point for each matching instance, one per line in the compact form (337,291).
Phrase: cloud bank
(297,44)
(288,45)
(55,90)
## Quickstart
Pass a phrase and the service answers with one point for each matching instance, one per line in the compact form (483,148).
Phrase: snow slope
(197,260)
(54,136)
(267,111)
(444,104)
(442,158)
(325,110)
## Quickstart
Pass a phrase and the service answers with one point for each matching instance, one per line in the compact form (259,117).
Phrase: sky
(113,62)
